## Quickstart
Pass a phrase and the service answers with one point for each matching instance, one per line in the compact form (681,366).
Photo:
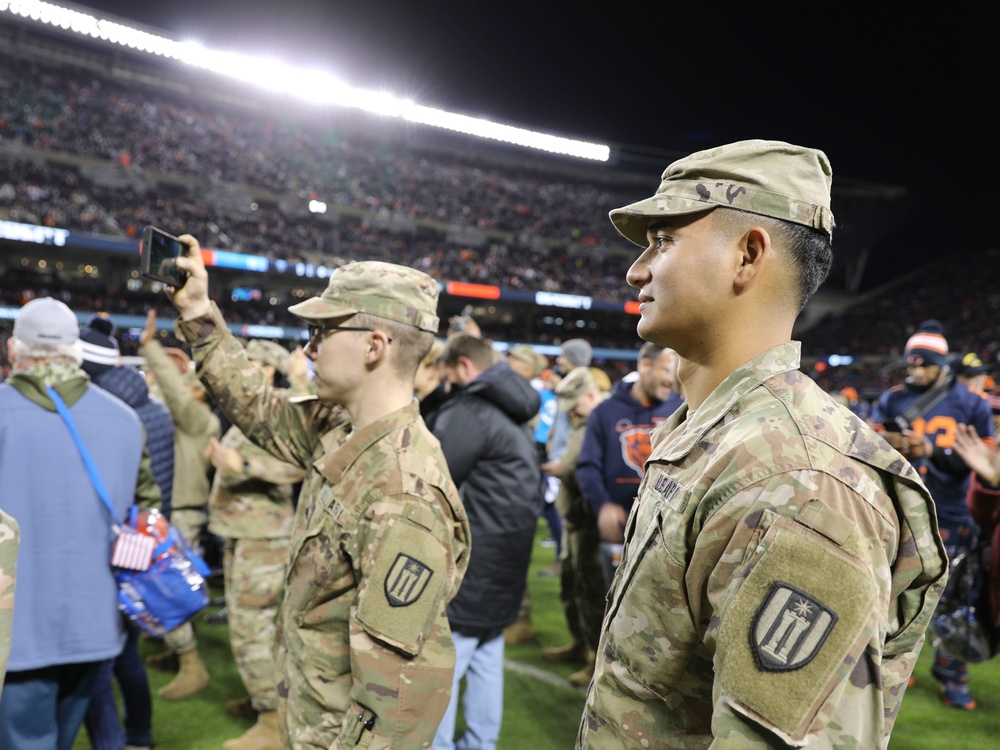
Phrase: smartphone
(158,253)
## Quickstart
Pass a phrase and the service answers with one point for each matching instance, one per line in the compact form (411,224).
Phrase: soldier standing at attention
(782,562)
(380,540)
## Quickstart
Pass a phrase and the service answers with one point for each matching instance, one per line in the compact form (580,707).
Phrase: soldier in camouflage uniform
(9,536)
(250,506)
(380,540)
(782,561)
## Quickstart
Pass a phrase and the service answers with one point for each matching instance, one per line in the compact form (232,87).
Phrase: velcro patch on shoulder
(402,595)
(795,629)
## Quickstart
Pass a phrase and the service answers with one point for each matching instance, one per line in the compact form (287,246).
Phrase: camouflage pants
(190,522)
(255,574)
(582,588)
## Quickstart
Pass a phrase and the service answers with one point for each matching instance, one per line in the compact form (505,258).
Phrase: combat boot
(241,708)
(165,661)
(261,736)
(575,651)
(582,676)
(521,630)
(192,677)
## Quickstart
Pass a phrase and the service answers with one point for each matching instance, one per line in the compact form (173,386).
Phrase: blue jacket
(67,600)
(128,385)
(616,446)
(945,474)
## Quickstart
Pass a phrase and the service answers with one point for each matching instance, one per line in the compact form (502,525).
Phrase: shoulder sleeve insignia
(406,580)
(789,629)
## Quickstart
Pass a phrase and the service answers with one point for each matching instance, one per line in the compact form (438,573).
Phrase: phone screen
(159,252)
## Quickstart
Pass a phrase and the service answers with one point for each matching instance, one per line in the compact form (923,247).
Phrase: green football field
(542,710)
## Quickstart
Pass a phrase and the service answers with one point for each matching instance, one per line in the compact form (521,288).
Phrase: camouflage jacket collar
(333,466)
(69,381)
(740,382)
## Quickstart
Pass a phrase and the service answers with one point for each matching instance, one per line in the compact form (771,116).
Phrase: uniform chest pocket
(319,570)
(650,630)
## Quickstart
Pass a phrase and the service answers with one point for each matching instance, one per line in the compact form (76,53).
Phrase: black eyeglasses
(317,332)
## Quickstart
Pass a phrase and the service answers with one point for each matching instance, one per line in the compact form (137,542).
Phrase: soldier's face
(338,363)
(684,276)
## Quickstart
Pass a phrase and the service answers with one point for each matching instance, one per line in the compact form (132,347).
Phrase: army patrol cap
(46,321)
(269,353)
(573,386)
(387,290)
(769,178)
(524,353)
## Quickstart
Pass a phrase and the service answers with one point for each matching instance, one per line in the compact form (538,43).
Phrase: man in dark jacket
(484,434)
(616,444)
(102,362)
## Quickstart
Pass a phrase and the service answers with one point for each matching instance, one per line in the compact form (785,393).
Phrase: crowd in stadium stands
(66,112)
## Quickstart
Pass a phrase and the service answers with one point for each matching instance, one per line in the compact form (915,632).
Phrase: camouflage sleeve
(190,415)
(9,538)
(147,491)
(402,655)
(259,464)
(799,599)
(265,415)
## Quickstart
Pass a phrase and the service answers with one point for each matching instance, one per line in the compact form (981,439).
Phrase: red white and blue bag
(161,581)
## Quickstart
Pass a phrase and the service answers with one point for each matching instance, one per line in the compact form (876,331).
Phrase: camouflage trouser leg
(190,522)
(255,574)
(585,585)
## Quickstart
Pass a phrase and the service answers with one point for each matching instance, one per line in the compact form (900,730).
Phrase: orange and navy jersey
(948,485)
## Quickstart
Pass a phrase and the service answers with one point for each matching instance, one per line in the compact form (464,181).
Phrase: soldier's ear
(755,252)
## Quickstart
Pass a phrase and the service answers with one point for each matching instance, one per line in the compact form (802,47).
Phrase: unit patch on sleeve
(789,629)
(406,580)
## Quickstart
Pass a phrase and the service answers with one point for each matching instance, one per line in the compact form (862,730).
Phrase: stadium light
(316,87)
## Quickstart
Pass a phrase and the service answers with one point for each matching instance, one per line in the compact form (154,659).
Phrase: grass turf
(544,714)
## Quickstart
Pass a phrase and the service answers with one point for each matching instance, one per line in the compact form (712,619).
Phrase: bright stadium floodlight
(316,87)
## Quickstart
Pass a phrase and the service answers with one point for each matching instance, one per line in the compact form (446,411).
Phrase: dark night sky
(905,99)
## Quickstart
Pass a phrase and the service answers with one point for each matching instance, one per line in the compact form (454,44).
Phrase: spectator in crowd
(498,478)
(101,361)
(10,537)
(530,364)
(920,419)
(66,624)
(766,513)
(380,541)
(430,387)
(572,354)
(195,425)
(617,445)
(581,582)
(250,507)
(970,371)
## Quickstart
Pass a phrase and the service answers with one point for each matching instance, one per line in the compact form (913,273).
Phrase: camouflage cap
(390,291)
(269,353)
(770,178)
(573,386)
(524,353)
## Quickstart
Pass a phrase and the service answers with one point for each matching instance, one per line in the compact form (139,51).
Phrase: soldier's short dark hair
(810,250)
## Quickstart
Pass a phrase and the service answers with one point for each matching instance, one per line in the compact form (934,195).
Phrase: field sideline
(542,710)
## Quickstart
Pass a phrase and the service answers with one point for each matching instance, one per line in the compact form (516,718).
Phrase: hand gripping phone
(158,253)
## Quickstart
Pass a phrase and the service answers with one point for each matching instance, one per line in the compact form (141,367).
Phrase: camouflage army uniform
(194,425)
(379,546)
(9,536)
(252,510)
(780,567)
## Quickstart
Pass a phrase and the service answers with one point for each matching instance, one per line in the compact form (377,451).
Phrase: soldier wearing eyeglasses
(380,540)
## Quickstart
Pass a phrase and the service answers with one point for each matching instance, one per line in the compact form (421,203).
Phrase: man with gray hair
(66,623)
(781,562)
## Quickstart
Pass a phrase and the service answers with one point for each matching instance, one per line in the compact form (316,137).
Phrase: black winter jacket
(490,452)
(128,385)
